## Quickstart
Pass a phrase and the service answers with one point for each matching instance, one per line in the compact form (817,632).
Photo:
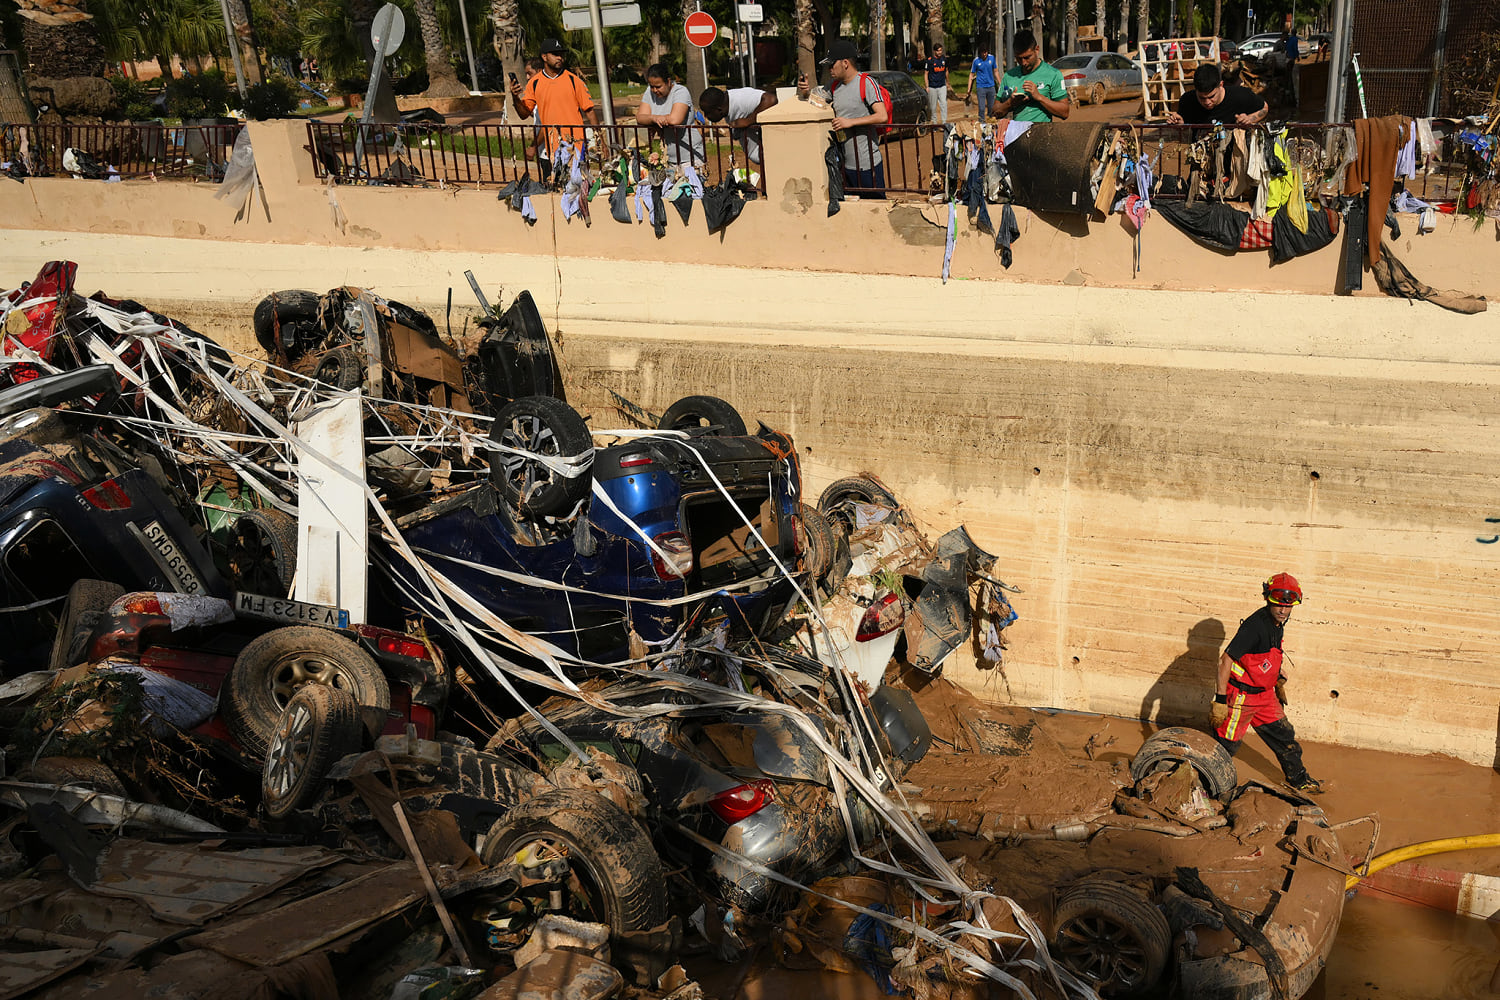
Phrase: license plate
(169,557)
(282,609)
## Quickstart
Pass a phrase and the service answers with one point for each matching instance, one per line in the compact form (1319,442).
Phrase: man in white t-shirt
(668,108)
(742,107)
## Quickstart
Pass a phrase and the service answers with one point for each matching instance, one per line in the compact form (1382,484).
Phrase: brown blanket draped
(1378,140)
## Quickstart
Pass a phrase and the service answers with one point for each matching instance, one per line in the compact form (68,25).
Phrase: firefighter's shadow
(1181,695)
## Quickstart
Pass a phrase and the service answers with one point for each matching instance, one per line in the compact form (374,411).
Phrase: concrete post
(793,139)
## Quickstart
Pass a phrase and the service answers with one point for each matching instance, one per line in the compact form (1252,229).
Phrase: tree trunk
(1143,25)
(806,38)
(1218,17)
(1099,18)
(244,34)
(505,15)
(877,34)
(442,81)
(935,34)
(1122,44)
(697,73)
(1070,28)
(1038,24)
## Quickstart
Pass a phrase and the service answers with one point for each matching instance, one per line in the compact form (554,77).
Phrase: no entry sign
(700,29)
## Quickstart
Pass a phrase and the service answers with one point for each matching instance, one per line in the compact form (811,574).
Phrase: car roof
(1076,60)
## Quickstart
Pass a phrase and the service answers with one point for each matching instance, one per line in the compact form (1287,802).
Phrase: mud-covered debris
(559,975)
(558,931)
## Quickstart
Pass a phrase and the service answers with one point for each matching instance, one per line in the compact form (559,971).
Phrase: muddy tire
(818,541)
(615,876)
(291,306)
(270,670)
(263,552)
(546,426)
(1113,936)
(319,727)
(1096,94)
(341,368)
(85,605)
(1178,744)
(838,501)
(704,411)
(81,772)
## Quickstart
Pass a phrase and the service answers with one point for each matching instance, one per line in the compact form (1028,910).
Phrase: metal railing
(909,158)
(132,149)
(415,154)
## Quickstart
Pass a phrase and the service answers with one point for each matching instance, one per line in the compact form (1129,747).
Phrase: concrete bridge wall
(1141,457)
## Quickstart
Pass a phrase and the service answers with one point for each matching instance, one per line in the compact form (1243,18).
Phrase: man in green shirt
(1033,91)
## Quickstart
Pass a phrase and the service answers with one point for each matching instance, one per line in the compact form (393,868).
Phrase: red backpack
(885,99)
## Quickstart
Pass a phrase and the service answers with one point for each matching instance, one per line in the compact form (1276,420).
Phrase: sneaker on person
(1310,786)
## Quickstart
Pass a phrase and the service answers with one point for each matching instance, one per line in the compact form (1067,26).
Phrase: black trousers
(1282,739)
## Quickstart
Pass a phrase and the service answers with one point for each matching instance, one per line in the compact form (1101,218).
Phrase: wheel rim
(528,433)
(584,900)
(296,669)
(253,560)
(291,746)
(1098,94)
(331,368)
(1104,951)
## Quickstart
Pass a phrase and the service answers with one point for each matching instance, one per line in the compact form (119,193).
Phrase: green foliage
(136,99)
(276,98)
(98,716)
(205,95)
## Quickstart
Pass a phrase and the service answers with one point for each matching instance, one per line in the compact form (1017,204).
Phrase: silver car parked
(1095,77)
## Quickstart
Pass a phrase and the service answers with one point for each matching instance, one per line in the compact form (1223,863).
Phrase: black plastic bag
(619,203)
(834,158)
(1213,224)
(722,204)
(1287,242)
(658,211)
(684,205)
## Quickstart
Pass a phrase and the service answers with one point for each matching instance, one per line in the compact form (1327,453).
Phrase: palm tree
(1039,24)
(1070,29)
(1122,44)
(505,15)
(697,79)
(1218,16)
(877,34)
(61,39)
(244,33)
(806,37)
(442,81)
(935,23)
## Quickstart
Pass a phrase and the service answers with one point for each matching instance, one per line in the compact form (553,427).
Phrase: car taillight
(1072,76)
(108,495)
(143,603)
(402,646)
(883,618)
(634,459)
(746,800)
(679,553)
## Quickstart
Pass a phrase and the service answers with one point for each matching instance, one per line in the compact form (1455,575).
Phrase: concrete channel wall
(1141,454)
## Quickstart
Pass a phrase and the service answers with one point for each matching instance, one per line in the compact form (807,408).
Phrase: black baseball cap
(551,45)
(841,49)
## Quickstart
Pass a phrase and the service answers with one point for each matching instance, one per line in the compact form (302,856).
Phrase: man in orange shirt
(559,99)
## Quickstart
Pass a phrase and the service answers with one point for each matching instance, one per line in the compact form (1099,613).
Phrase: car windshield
(1072,62)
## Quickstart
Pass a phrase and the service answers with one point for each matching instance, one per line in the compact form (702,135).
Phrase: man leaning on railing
(559,99)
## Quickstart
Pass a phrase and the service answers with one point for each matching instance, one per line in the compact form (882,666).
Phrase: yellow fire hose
(1422,850)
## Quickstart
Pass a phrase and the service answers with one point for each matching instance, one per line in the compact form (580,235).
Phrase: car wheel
(341,367)
(279,308)
(548,427)
(842,496)
(1113,936)
(86,603)
(1178,744)
(270,670)
(263,552)
(703,411)
(319,726)
(1096,94)
(81,772)
(614,874)
(818,542)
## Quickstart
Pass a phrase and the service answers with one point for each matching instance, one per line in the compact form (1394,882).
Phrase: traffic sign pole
(703,49)
(605,98)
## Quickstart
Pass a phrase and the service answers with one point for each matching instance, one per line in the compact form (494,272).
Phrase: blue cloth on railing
(643,200)
(692,178)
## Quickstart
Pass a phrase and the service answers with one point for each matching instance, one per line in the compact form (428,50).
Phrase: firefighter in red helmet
(1252,689)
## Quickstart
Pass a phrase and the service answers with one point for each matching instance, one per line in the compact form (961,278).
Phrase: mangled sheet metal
(22,972)
(257,448)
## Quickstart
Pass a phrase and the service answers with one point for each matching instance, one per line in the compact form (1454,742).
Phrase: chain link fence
(1404,49)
